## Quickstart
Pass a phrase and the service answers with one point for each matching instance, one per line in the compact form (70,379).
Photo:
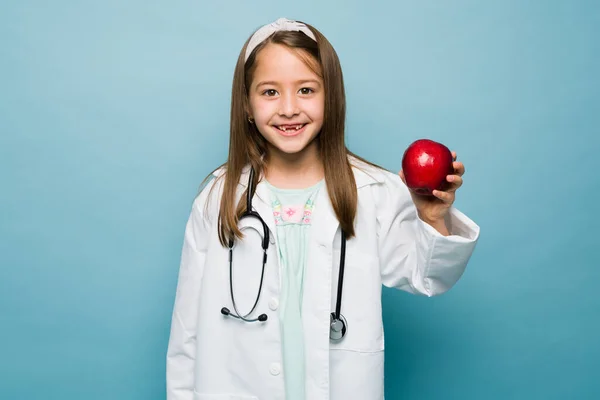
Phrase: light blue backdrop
(112,112)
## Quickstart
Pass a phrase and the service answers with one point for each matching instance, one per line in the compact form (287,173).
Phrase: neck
(294,171)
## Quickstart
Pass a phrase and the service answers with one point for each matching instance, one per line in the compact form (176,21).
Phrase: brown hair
(247,145)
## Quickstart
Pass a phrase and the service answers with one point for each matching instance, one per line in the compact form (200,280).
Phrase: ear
(249,113)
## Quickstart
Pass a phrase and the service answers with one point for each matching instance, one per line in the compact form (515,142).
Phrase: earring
(250,120)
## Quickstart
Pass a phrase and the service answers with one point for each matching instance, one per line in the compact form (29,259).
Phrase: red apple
(425,165)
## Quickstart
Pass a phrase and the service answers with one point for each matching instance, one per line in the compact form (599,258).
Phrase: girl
(290,308)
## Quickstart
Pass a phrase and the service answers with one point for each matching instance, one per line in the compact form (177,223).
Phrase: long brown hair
(247,145)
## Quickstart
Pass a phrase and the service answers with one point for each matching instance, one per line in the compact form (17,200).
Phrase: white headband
(282,24)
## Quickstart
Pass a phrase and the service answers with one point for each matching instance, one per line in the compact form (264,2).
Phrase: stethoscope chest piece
(337,327)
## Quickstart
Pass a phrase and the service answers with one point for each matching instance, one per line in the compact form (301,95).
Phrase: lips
(289,129)
(286,128)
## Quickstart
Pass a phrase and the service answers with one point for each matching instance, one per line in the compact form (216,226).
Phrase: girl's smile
(290,130)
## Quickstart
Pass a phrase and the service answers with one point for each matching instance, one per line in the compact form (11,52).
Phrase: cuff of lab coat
(447,256)
(462,228)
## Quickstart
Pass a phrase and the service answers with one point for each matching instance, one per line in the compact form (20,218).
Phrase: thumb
(401,174)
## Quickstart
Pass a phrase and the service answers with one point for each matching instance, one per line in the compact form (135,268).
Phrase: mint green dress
(292,210)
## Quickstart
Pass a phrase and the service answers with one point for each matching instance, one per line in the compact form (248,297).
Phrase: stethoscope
(338,326)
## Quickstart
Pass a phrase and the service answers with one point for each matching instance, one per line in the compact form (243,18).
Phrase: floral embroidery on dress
(294,213)
(308,208)
(277,212)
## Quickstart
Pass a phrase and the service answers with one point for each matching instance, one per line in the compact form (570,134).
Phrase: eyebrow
(297,82)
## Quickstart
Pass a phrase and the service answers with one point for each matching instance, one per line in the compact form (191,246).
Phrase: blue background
(112,113)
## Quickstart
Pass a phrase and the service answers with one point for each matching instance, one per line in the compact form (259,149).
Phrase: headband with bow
(282,24)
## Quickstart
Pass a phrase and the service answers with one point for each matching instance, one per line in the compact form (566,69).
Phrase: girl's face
(287,102)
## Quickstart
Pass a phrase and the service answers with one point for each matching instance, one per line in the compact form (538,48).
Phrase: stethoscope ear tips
(225,311)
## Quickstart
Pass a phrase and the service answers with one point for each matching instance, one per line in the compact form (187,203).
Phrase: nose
(289,105)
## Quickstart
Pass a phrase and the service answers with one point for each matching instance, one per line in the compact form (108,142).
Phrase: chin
(294,145)
(291,150)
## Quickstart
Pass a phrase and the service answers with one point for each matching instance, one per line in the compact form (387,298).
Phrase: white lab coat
(213,357)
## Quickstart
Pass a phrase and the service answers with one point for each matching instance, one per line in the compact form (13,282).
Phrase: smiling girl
(291,307)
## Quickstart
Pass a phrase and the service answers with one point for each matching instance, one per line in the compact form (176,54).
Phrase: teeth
(285,129)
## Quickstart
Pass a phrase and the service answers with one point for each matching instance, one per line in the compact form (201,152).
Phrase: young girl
(287,249)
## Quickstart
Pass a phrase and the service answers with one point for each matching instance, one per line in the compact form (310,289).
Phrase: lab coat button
(273,304)
(275,369)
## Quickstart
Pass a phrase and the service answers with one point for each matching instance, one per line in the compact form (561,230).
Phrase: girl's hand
(433,209)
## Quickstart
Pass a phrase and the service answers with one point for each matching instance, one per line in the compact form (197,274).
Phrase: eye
(306,91)
(270,92)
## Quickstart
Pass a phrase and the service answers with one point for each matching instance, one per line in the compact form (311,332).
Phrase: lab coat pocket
(203,396)
(361,304)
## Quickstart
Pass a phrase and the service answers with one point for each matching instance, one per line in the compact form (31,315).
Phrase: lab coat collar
(325,223)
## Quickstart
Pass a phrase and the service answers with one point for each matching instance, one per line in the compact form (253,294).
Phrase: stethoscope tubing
(338,324)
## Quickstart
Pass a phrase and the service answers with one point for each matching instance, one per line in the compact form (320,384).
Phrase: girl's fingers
(454,156)
(401,174)
(456,182)
(459,168)
(446,197)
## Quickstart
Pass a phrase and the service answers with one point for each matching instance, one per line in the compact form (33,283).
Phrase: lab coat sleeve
(415,257)
(181,352)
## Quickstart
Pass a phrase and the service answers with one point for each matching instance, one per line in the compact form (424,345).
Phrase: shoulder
(366,173)
(207,200)
(385,188)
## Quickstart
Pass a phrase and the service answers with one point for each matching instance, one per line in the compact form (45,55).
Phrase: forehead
(276,62)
